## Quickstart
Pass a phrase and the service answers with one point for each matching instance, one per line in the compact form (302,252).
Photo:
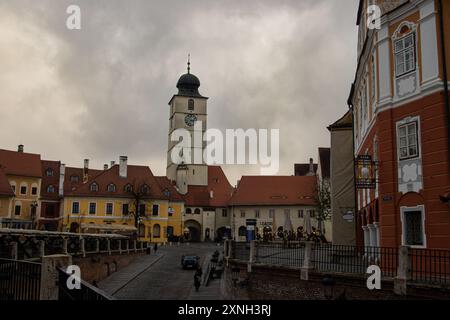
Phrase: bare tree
(323,199)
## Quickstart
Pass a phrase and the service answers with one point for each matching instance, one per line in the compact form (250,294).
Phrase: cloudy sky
(102,91)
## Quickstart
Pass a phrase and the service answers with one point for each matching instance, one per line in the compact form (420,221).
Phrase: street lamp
(328,287)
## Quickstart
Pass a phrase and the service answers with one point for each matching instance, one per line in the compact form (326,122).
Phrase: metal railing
(354,259)
(290,254)
(19,280)
(87,292)
(240,250)
(429,266)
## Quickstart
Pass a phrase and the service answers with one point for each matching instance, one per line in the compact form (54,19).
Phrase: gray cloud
(102,92)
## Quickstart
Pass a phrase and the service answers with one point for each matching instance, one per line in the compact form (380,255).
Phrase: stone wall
(270,283)
(97,267)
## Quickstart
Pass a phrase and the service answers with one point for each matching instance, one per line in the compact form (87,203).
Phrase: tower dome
(188,83)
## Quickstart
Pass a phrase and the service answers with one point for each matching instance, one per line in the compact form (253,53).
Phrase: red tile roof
(200,196)
(137,176)
(275,190)
(20,163)
(5,187)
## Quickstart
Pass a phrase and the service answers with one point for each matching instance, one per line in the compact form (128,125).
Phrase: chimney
(62,174)
(105,166)
(85,170)
(311,167)
(20,148)
(123,166)
(112,163)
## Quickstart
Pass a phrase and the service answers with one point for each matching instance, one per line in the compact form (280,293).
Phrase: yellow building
(123,199)
(19,205)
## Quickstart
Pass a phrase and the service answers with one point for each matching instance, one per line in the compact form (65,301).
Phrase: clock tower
(186,108)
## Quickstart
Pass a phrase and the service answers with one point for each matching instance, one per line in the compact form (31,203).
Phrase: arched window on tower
(191,104)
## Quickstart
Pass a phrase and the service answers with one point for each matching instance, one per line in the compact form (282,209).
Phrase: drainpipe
(445,76)
(355,191)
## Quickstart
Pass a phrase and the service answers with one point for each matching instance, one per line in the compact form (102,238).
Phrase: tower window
(191,104)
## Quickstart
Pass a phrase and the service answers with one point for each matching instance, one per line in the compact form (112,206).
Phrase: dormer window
(128,188)
(94,187)
(49,172)
(111,187)
(145,189)
(166,192)
(50,189)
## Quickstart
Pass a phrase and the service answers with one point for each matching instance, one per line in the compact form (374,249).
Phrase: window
(74,179)
(155,210)
(17,209)
(109,208)
(405,55)
(145,189)
(224,213)
(166,193)
(75,207)
(242,214)
(188,211)
(413,226)
(142,209)
(408,141)
(374,78)
(94,187)
(256,213)
(271,213)
(169,231)
(300,213)
(13,187)
(34,191)
(111,187)
(92,207)
(50,189)
(170,211)
(242,231)
(128,188)
(49,172)
(125,209)
(156,231)
(23,190)
(191,104)
(197,211)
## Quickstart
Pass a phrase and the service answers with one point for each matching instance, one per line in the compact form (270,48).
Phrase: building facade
(400,109)
(278,205)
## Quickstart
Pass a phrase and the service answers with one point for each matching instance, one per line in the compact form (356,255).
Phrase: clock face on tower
(190,120)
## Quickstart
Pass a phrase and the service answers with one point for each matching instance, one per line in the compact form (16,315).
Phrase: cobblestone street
(160,276)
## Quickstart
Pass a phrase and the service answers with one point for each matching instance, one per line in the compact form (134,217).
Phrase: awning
(108,227)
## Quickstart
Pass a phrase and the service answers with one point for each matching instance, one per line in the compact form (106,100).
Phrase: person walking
(197,278)
(155,247)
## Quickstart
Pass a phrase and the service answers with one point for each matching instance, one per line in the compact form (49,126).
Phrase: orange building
(399,100)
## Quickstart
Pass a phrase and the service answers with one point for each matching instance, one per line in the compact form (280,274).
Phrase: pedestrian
(155,247)
(196,282)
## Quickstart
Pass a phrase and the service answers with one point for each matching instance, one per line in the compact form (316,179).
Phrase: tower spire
(189,63)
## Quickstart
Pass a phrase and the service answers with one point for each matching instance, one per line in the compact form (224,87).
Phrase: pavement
(160,276)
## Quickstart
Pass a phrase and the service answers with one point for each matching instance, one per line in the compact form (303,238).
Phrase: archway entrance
(192,231)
